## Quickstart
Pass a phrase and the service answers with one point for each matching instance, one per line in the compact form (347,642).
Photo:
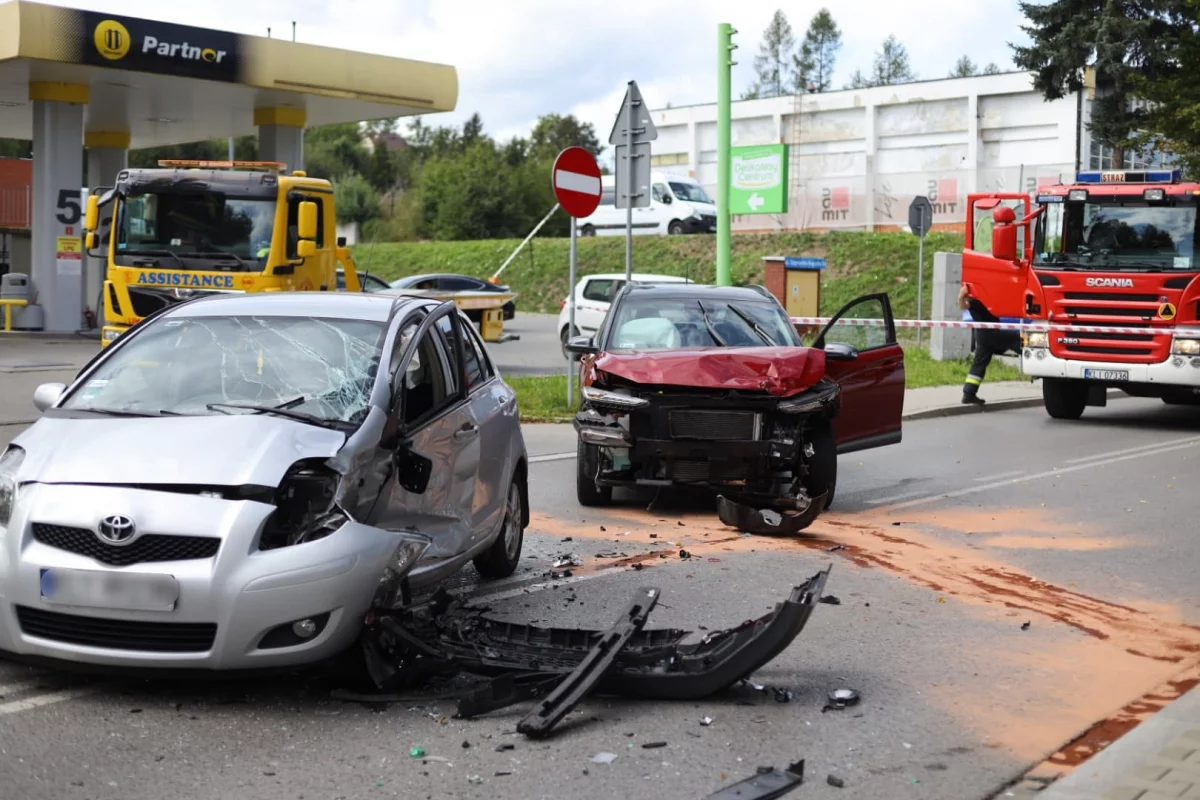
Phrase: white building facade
(857,157)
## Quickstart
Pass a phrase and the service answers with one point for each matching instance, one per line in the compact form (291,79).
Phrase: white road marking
(551,457)
(881,500)
(1081,459)
(29,703)
(1015,473)
(1039,475)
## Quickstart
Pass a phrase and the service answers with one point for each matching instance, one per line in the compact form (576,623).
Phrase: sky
(519,59)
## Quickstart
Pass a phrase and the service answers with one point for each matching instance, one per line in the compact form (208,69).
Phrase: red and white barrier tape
(1000,326)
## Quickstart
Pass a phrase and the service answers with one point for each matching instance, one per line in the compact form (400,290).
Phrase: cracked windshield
(305,367)
(197,225)
(655,324)
(1128,236)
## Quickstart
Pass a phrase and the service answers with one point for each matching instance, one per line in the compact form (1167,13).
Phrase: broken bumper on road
(444,638)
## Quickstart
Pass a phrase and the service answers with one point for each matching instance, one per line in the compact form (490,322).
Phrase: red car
(707,386)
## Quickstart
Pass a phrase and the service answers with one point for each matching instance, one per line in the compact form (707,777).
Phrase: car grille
(708,219)
(702,471)
(116,634)
(714,425)
(149,548)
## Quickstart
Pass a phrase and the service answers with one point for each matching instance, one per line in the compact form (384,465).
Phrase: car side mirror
(1004,242)
(666,198)
(306,224)
(91,220)
(306,248)
(582,346)
(413,469)
(47,395)
(840,351)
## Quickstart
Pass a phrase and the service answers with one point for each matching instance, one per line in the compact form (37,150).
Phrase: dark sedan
(456,283)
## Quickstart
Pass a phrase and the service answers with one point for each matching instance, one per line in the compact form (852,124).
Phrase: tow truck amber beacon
(1109,262)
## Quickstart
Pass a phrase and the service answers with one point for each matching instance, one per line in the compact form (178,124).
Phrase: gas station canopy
(146,83)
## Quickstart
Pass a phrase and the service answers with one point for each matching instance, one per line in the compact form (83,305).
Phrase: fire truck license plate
(1107,374)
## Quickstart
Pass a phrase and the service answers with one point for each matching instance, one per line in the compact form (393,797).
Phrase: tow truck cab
(197,227)
(1109,263)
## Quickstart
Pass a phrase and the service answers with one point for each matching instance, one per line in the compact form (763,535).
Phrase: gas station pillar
(107,155)
(281,135)
(57,258)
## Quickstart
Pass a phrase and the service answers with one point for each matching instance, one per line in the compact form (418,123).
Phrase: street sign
(633,108)
(758,180)
(920,215)
(575,177)
(641,176)
(791,262)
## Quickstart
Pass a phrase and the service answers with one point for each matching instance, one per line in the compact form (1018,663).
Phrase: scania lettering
(195,227)
(1112,254)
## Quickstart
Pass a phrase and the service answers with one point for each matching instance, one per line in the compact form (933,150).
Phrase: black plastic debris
(836,782)
(654,536)
(680,524)
(500,748)
(684,554)
(568,538)
(841,698)
(783,695)
(466,745)
(1025,627)
(766,784)
(830,600)
(638,567)
(500,773)
(835,548)
(603,529)
(653,745)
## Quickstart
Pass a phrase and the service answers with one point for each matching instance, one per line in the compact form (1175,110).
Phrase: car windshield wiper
(282,410)
(116,412)
(708,325)
(170,253)
(218,254)
(754,326)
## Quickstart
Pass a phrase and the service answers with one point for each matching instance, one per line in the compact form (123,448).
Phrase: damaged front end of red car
(751,424)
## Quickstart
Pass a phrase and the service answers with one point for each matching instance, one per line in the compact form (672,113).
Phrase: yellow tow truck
(197,227)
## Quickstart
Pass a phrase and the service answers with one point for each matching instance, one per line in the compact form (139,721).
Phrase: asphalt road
(950,542)
(537,352)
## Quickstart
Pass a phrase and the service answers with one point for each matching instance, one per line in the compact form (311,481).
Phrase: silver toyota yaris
(236,480)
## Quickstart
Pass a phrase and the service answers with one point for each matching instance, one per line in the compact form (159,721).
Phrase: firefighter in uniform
(988,342)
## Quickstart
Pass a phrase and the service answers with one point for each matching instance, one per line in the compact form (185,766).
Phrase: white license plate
(1107,374)
(116,590)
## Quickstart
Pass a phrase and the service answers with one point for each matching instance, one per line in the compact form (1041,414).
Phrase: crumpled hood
(779,371)
(226,450)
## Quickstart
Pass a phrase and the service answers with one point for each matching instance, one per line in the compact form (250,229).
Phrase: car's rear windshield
(320,367)
(664,323)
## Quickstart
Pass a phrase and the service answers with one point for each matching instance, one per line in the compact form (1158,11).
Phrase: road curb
(995,405)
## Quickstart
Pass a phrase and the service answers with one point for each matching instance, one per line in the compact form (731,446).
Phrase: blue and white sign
(804,263)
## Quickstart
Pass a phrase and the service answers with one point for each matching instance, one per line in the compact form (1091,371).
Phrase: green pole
(725,48)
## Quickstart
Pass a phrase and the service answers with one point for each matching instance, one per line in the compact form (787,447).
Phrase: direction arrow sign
(633,113)
(575,177)
(755,202)
(758,181)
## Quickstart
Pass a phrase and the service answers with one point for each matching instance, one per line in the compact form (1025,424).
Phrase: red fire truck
(1108,263)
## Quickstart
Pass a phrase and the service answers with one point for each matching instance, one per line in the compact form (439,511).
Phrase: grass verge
(544,399)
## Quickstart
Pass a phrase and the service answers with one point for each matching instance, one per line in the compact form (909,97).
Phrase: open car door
(999,283)
(862,355)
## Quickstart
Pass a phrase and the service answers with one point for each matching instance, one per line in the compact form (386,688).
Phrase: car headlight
(1037,339)
(410,546)
(304,506)
(602,397)
(811,400)
(1185,347)
(10,463)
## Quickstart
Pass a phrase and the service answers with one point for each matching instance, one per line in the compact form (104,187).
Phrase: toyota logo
(116,529)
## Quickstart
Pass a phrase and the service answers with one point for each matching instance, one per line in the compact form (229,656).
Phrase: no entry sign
(576,181)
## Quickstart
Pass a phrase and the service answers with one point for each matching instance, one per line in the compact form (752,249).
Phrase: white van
(678,204)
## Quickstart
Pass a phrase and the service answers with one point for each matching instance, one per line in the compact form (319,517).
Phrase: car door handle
(466,431)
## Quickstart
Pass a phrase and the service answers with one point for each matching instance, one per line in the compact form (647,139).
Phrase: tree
(991,69)
(964,68)
(355,199)
(813,65)
(554,133)
(891,64)
(1120,39)
(16,148)
(472,130)
(772,65)
(858,80)
(1172,112)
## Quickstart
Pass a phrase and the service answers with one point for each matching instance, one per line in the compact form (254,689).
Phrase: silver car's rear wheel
(501,559)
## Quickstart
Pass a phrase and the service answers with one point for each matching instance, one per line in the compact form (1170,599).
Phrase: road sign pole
(920,278)
(725,47)
(571,322)
(629,190)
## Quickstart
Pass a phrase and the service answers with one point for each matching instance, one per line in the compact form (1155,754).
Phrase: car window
(424,391)
(473,368)
(599,291)
(456,284)
(485,363)
(847,330)
(657,323)
(608,197)
(658,191)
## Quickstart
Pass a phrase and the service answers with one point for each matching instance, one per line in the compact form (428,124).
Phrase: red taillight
(562,305)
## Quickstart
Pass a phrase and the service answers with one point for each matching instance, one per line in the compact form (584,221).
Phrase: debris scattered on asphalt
(604,758)
(714,560)
(653,745)
(767,783)
(830,600)
(684,554)
(680,523)
(638,566)
(500,773)
(417,752)
(135,711)
(836,782)
(1025,627)
(841,698)
(654,536)
(783,695)
(466,745)
(568,538)
(568,560)
(500,748)
(706,721)
(603,529)
(835,548)
(474,779)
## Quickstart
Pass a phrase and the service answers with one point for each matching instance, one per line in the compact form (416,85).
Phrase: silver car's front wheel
(501,559)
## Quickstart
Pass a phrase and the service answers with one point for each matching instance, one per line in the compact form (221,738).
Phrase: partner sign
(759,180)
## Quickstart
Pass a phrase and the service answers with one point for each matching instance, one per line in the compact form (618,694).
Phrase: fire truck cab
(1109,264)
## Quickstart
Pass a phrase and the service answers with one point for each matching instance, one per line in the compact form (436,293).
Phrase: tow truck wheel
(822,467)
(1064,398)
(587,464)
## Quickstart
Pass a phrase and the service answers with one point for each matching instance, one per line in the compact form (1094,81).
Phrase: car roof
(697,290)
(367,306)
(637,276)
